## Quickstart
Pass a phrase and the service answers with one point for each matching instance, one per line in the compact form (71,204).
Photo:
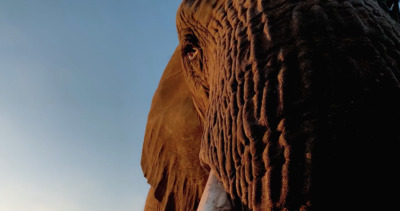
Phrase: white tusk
(214,196)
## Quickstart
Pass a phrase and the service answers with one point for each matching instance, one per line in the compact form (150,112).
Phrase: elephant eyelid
(190,48)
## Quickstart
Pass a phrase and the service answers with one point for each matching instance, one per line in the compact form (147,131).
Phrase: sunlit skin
(297,102)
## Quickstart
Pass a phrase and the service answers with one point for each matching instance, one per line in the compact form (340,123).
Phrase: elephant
(277,105)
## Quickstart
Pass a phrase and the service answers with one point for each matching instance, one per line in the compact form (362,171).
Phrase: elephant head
(298,101)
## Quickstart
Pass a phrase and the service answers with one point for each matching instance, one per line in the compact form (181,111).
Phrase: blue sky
(76,82)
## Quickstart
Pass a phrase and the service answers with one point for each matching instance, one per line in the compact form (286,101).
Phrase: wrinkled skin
(298,101)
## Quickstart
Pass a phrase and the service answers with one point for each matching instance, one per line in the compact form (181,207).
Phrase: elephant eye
(191,52)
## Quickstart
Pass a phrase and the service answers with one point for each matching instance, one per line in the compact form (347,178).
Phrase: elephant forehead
(200,8)
(197,13)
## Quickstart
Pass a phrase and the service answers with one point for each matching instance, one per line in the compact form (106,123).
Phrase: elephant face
(298,99)
(291,105)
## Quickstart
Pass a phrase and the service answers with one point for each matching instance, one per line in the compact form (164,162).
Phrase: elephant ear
(170,154)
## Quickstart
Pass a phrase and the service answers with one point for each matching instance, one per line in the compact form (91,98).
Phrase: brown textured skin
(299,99)
(152,203)
(170,160)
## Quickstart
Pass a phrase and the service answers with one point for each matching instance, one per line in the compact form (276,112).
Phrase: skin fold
(297,105)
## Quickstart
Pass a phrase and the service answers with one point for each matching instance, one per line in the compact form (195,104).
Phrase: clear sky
(76,83)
